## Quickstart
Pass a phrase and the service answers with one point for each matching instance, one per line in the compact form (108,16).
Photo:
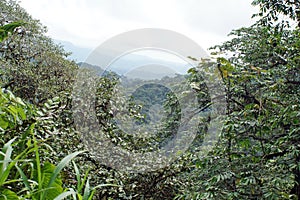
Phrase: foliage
(272,11)
(33,67)
(8,29)
(23,174)
(256,157)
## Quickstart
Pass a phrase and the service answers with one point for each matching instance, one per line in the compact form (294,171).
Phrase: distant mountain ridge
(131,65)
(79,54)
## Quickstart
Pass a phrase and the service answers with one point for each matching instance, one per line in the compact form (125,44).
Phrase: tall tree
(272,11)
(33,67)
(258,153)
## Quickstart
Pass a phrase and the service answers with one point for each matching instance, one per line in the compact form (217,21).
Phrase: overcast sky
(87,23)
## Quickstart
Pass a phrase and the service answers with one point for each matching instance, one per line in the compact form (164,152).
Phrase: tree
(272,10)
(33,67)
(257,156)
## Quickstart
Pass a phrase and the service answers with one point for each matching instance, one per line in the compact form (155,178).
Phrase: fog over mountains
(79,54)
(131,65)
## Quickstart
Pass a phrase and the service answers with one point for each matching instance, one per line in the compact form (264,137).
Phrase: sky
(88,23)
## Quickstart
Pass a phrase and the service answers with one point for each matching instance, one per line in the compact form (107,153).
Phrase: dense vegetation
(257,155)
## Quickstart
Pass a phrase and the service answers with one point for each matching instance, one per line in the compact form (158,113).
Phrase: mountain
(150,72)
(94,68)
(133,65)
(79,54)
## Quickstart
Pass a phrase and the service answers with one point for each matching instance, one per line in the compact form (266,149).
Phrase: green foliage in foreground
(258,155)
(23,174)
(8,29)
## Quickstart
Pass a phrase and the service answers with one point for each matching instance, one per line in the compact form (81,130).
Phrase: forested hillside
(256,156)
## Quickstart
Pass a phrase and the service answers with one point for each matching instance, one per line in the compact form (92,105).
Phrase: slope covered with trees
(257,155)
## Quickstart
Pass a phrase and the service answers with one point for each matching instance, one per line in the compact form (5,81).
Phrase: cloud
(217,16)
(90,22)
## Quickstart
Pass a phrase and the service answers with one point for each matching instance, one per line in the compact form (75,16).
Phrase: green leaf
(24,177)
(12,26)
(21,113)
(19,101)
(6,194)
(3,123)
(87,190)
(66,194)
(6,159)
(55,171)
(56,187)
(8,28)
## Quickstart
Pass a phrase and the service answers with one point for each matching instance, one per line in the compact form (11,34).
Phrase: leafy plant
(9,29)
